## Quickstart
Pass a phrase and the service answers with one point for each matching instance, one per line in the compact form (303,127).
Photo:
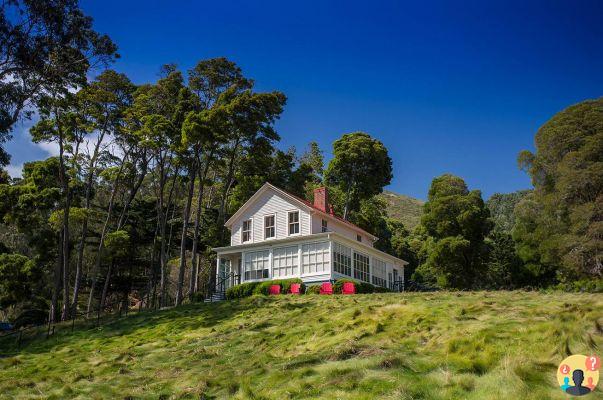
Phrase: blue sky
(457,87)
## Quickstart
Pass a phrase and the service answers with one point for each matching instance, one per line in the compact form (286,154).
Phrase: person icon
(565,384)
(578,389)
(590,383)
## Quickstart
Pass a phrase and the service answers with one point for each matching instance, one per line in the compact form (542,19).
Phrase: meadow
(443,345)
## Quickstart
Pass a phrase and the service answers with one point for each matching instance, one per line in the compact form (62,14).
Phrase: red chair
(275,289)
(348,288)
(295,288)
(326,288)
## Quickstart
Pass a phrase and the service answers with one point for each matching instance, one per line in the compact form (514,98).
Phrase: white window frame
(289,223)
(273,226)
(285,259)
(379,272)
(250,220)
(315,261)
(342,259)
(254,263)
(359,238)
(360,274)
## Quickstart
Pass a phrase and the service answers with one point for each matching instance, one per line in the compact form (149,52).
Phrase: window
(285,262)
(359,238)
(315,257)
(342,259)
(379,273)
(361,267)
(257,265)
(293,222)
(269,231)
(246,231)
(325,226)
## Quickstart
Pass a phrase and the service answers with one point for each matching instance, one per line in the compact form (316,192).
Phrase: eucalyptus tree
(104,102)
(155,109)
(61,123)
(43,44)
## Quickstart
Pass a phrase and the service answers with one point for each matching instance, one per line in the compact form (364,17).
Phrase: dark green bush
(240,291)
(361,287)
(285,284)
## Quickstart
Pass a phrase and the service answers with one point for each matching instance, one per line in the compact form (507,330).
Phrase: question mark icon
(593,363)
(565,369)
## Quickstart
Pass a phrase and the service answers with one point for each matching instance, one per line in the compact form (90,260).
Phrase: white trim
(289,212)
(273,215)
(250,231)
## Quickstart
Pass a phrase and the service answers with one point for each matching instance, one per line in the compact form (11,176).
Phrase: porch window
(361,267)
(246,231)
(269,231)
(342,259)
(257,265)
(379,273)
(315,257)
(285,262)
(293,222)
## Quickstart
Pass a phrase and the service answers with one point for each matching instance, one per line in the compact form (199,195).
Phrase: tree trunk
(80,255)
(101,244)
(194,267)
(227,184)
(185,217)
(106,286)
(65,244)
(54,304)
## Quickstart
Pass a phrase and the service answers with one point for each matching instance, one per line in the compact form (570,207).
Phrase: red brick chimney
(321,199)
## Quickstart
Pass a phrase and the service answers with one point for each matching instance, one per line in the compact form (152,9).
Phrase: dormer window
(293,222)
(269,231)
(325,225)
(246,231)
(359,238)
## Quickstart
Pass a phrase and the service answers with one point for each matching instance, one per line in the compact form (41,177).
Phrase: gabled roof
(301,202)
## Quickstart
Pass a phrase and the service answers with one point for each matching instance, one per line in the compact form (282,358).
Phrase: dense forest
(146,176)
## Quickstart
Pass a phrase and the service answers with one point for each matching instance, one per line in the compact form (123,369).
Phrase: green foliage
(313,289)
(457,220)
(239,291)
(505,269)
(360,168)
(361,287)
(502,209)
(17,273)
(117,243)
(559,230)
(285,284)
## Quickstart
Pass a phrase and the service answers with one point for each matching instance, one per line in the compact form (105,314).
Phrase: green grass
(403,208)
(483,345)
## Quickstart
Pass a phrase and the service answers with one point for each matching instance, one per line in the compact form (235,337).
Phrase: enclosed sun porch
(315,259)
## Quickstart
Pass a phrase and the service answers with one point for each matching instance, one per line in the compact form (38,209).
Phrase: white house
(276,235)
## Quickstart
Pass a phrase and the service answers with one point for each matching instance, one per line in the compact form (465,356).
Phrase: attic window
(269,231)
(359,238)
(293,222)
(246,231)
(325,226)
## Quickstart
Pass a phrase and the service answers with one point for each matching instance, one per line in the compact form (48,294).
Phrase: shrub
(314,289)
(361,287)
(285,284)
(240,291)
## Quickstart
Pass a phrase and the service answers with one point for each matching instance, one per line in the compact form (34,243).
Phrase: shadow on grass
(186,317)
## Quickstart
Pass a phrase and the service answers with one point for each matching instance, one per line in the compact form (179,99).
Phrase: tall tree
(43,44)
(559,229)
(360,168)
(457,221)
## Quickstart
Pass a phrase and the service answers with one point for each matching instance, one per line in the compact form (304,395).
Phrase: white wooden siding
(339,227)
(269,203)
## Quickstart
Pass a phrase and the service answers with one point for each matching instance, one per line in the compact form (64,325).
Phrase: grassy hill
(503,345)
(405,208)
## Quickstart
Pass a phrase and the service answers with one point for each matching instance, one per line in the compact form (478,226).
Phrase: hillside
(503,345)
(406,209)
